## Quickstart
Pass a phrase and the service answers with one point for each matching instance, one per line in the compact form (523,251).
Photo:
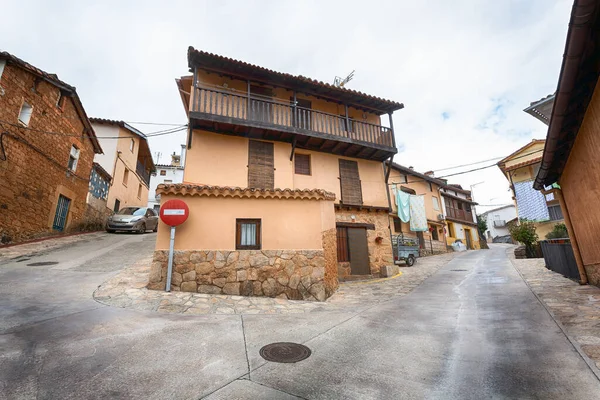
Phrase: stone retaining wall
(289,274)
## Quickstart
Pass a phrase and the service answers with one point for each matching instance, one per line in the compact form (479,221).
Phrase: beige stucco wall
(126,193)
(528,153)
(286,223)
(222,160)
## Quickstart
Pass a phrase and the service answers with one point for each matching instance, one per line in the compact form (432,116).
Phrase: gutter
(580,26)
(574,244)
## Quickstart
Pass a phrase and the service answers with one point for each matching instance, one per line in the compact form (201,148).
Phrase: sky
(464,69)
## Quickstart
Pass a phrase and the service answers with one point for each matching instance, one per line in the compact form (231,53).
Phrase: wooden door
(359,251)
(469,239)
(421,238)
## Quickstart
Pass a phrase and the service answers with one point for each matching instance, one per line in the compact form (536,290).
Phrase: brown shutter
(302,164)
(261,167)
(350,183)
(342,245)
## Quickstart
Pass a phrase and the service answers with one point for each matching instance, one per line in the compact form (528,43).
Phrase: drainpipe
(387,191)
(558,193)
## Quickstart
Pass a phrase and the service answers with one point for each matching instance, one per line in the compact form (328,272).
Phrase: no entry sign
(174,212)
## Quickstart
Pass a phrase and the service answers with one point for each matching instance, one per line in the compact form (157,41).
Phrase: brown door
(359,251)
(468,236)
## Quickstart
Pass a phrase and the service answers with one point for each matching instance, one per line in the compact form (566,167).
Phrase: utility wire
(151,123)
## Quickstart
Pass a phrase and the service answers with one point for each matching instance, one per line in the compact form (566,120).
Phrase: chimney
(182,156)
(411,167)
(428,173)
(175,160)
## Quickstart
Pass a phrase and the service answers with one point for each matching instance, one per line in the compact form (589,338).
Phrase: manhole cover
(284,352)
(458,270)
(42,263)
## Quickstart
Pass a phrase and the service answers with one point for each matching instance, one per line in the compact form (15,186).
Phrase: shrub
(525,233)
(558,232)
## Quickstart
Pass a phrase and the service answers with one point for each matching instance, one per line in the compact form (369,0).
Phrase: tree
(525,233)
(558,232)
(481,228)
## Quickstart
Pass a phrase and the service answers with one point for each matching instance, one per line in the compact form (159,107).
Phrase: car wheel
(410,261)
(142,228)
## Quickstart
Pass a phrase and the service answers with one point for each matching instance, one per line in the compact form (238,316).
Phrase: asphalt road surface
(472,331)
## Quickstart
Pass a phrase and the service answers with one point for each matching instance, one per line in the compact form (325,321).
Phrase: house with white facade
(459,214)
(166,173)
(497,222)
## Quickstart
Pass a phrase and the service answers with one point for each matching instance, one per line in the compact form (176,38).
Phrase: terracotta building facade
(48,147)
(295,168)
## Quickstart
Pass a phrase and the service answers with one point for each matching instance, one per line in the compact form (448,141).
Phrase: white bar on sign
(174,212)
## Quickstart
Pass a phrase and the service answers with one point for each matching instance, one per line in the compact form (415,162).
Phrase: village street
(472,330)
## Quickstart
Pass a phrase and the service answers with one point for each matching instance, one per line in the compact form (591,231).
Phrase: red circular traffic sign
(174,212)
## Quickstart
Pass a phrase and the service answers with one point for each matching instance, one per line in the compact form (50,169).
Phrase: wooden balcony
(459,215)
(260,117)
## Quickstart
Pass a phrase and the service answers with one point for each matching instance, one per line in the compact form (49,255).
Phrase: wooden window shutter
(302,164)
(350,183)
(343,255)
(261,167)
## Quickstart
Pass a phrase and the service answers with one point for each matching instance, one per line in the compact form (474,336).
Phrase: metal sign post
(170,266)
(173,213)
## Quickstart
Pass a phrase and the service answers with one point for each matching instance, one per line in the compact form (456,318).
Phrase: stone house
(410,181)
(570,162)
(285,182)
(127,158)
(520,169)
(47,147)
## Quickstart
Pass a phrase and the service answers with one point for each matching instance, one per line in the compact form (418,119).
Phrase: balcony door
(261,106)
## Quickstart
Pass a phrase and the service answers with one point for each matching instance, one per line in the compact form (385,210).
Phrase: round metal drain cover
(42,263)
(458,270)
(284,352)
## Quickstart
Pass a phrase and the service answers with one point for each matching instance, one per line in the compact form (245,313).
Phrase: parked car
(133,219)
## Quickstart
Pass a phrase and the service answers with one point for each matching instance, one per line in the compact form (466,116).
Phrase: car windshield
(132,211)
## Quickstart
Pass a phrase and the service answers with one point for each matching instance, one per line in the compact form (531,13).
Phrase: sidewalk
(575,307)
(45,244)
(127,290)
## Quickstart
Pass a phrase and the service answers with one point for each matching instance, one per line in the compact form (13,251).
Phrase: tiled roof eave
(248,193)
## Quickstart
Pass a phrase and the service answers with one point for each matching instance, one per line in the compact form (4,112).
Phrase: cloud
(475,64)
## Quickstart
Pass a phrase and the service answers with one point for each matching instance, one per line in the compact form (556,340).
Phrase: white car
(133,219)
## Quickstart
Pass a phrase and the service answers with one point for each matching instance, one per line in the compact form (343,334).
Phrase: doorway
(359,251)
(62,210)
(469,239)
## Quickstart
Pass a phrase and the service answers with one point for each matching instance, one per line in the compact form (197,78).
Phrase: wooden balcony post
(294,112)
(248,102)
(392,130)
(347,121)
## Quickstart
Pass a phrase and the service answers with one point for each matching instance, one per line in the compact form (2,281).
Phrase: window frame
(139,193)
(436,203)
(132,145)
(238,233)
(163,172)
(309,164)
(397,224)
(22,122)
(75,158)
(117,205)
(60,102)
(125,176)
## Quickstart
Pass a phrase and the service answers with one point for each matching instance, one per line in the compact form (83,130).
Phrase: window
(73,158)
(261,167)
(117,205)
(459,205)
(2,64)
(131,145)
(163,172)
(302,164)
(156,208)
(397,225)
(139,191)
(350,183)
(125,176)
(168,181)
(343,254)
(247,234)
(25,114)
(60,102)
(434,232)
(555,212)
(451,229)
(436,203)
(468,208)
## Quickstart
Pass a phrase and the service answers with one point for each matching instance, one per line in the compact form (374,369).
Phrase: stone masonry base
(288,274)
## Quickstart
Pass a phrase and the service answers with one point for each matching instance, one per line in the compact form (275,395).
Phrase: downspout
(387,191)
(574,244)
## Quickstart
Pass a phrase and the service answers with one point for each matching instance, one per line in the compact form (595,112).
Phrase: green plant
(525,233)
(558,232)
(481,224)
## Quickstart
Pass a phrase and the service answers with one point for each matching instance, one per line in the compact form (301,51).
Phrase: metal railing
(278,113)
(142,173)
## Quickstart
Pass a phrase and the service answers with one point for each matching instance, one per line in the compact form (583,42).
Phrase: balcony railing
(280,115)
(143,173)
(461,215)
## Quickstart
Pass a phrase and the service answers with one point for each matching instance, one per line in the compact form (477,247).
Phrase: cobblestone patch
(575,306)
(32,248)
(128,290)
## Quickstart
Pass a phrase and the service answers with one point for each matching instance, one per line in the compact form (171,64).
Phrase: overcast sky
(464,69)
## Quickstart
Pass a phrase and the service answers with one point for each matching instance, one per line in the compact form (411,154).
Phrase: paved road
(472,331)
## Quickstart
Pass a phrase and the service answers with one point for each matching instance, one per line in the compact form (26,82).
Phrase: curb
(590,363)
(6,246)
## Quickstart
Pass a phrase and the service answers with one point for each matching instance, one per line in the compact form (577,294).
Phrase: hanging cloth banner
(403,204)
(418,217)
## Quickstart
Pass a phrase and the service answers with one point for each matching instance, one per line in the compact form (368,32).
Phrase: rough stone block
(388,270)
(294,281)
(232,288)
(209,289)
(204,268)
(252,274)
(220,282)
(197,257)
(257,288)
(258,260)
(189,276)
(176,278)
(242,275)
(269,287)
(155,272)
(189,287)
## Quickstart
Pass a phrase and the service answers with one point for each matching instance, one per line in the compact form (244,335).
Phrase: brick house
(285,181)
(46,153)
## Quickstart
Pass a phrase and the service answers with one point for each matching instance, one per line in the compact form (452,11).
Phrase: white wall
(109,146)
(503,214)
(175,174)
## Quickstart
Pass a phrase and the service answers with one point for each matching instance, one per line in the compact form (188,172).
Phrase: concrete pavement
(474,330)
